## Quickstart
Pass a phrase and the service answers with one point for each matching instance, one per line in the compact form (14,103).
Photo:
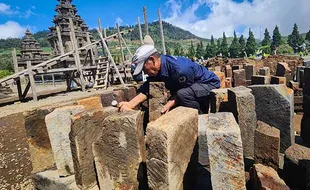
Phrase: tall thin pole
(120,42)
(162,32)
(32,81)
(99,25)
(145,21)
(60,44)
(140,31)
(105,33)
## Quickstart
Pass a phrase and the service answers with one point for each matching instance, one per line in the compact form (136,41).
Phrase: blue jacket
(181,72)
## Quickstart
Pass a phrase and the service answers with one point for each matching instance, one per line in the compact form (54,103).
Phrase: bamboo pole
(60,44)
(32,82)
(162,32)
(76,54)
(120,43)
(15,66)
(145,21)
(140,31)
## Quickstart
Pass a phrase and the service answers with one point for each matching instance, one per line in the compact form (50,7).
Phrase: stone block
(305,125)
(91,103)
(239,77)
(301,78)
(264,177)
(297,123)
(15,159)
(221,76)
(298,104)
(58,125)
(203,158)
(265,71)
(228,71)
(259,79)
(282,69)
(249,71)
(170,144)
(297,167)
(116,94)
(275,106)
(86,128)
(306,63)
(297,75)
(278,80)
(225,152)
(157,99)
(219,100)
(228,82)
(119,152)
(236,67)
(241,103)
(217,68)
(267,145)
(38,139)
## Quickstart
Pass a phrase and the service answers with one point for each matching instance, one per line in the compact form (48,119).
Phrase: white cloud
(11,29)
(6,9)
(119,20)
(228,16)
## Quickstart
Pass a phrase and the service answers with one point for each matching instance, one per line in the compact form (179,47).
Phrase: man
(189,83)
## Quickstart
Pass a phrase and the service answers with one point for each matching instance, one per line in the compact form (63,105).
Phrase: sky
(201,17)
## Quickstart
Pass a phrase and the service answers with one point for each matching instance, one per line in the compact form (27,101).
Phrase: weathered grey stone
(305,124)
(259,79)
(275,106)
(242,104)
(249,71)
(58,125)
(15,160)
(264,177)
(265,71)
(86,128)
(203,158)
(219,100)
(297,167)
(267,145)
(239,77)
(119,152)
(170,143)
(283,70)
(225,152)
(157,100)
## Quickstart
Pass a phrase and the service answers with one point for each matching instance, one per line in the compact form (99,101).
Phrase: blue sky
(201,17)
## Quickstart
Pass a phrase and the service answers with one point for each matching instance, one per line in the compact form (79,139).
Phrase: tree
(168,51)
(213,48)
(191,51)
(285,49)
(176,50)
(218,45)
(267,39)
(234,48)
(208,53)
(295,40)
(276,38)
(224,46)
(242,45)
(199,50)
(308,36)
(250,44)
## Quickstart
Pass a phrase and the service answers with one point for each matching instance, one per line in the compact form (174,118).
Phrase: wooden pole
(15,66)
(126,46)
(53,78)
(32,82)
(91,50)
(140,31)
(145,21)
(60,44)
(105,33)
(99,24)
(162,32)
(120,43)
(76,54)
(110,56)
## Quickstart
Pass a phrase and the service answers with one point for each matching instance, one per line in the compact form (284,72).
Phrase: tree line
(241,47)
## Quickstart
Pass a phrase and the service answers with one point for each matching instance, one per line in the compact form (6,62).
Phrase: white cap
(141,55)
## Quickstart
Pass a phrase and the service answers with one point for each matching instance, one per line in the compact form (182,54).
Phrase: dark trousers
(195,96)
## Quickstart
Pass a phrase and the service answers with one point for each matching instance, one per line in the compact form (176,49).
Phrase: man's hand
(124,106)
(168,106)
